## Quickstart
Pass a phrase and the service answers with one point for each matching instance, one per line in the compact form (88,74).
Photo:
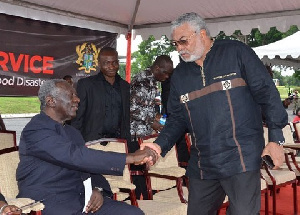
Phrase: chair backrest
(288,136)
(170,160)
(287,133)
(116,145)
(7,139)
(8,166)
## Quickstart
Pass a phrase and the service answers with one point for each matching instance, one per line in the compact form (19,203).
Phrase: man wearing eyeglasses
(218,93)
(103,110)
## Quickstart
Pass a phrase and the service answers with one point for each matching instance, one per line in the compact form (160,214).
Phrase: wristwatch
(280,143)
(100,189)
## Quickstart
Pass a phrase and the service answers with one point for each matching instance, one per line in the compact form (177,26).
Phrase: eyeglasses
(182,42)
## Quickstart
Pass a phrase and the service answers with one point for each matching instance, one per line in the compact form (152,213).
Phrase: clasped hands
(148,153)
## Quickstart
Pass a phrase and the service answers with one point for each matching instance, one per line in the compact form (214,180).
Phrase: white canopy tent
(153,17)
(284,52)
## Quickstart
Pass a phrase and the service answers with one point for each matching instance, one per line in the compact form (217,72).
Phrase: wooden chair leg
(179,183)
(148,186)
(294,185)
(133,198)
(266,203)
(274,199)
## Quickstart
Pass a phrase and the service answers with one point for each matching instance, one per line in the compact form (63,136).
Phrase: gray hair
(193,19)
(48,88)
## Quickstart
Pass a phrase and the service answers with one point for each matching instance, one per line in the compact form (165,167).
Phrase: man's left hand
(276,152)
(95,203)
(157,126)
(11,210)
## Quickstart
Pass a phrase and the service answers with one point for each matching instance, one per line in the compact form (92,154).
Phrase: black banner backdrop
(34,51)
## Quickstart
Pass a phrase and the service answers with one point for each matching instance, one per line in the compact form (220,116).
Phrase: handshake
(148,153)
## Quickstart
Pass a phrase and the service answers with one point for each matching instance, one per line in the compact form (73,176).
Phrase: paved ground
(17,122)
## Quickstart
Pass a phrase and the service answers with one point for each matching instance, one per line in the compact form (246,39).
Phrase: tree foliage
(287,80)
(122,70)
(148,50)
(255,38)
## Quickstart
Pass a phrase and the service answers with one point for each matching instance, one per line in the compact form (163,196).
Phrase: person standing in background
(103,110)
(143,117)
(295,101)
(69,79)
(143,90)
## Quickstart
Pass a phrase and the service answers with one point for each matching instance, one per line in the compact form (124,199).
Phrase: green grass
(16,105)
(283,92)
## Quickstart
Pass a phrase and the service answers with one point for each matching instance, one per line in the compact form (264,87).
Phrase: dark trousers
(243,190)
(138,180)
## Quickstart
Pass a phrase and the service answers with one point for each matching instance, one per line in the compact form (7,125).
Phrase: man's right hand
(154,147)
(142,156)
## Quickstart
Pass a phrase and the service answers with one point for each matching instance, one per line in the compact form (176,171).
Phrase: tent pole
(128,57)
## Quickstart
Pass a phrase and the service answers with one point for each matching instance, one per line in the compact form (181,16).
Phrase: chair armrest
(293,159)
(27,205)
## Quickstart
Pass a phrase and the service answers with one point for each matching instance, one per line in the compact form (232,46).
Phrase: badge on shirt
(226,85)
(184,98)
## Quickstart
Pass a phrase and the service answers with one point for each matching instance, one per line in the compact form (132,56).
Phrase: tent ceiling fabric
(284,52)
(154,16)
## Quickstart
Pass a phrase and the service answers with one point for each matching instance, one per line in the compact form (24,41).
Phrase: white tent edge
(281,20)
(285,52)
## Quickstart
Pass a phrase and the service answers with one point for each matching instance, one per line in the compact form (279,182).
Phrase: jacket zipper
(203,76)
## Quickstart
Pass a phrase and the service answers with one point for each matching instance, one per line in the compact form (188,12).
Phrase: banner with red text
(33,51)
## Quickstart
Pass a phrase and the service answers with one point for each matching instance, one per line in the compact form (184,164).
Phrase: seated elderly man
(54,160)
(7,209)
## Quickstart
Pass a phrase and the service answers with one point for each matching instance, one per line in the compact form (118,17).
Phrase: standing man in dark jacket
(218,93)
(104,101)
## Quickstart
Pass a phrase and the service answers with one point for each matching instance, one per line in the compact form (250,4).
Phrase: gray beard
(192,58)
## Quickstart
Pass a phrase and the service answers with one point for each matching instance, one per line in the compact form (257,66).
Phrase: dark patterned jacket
(221,105)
